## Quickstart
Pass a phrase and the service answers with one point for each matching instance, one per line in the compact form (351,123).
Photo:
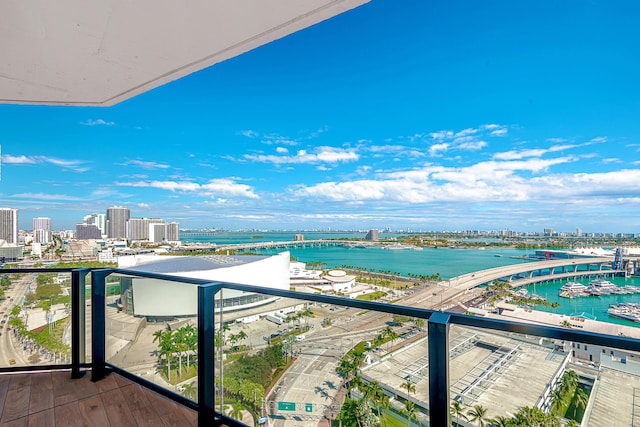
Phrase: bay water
(448,262)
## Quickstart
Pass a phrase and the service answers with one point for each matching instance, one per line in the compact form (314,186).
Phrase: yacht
(573,290)
(625,311)
(601,287)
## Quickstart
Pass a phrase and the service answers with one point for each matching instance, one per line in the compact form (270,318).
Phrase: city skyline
(402,115)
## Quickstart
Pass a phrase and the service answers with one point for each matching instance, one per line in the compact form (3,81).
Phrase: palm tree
(557,400)
(554,305)
(191,340)
(409,386)
(580,398)
(236,411)
(418,322)
(189,390)
(241,336)
(457,410)
(570,381)
(478,413)
(374,393)
(500,421)
(410,411)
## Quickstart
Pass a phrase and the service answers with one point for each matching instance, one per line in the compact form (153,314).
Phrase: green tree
(478,413)
(410,411)
(457,410)
(501,421)
(190,391)
(570,381)
(236,411)
(409,386)
(580,399)
(557,400)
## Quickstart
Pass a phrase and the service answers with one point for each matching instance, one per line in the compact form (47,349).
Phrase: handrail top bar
(45,270)
(160,276)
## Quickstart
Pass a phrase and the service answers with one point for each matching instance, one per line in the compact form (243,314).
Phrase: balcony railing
(192,341)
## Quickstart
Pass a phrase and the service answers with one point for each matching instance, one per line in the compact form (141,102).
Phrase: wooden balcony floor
(54,399)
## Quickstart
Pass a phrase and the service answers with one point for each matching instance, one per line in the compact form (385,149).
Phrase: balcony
(144,346)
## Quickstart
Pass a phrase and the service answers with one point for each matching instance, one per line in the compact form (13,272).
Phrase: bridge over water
(248,247)
(538,271)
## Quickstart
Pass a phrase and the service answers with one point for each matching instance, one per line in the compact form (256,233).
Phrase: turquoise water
(596,306)
(447,262)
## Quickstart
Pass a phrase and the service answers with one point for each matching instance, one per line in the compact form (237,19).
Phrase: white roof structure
(71,52)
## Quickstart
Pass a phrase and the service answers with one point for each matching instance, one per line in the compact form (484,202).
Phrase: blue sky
(432,115)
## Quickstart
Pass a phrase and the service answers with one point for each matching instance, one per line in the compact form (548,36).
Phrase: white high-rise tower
(42,230)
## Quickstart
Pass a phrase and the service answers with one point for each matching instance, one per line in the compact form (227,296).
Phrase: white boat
(573,290)
(602,287)
(573,287)
(625,311)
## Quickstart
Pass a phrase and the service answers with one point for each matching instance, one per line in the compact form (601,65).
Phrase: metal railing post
(438,330)
(78,320)
(98,324)
(206,355)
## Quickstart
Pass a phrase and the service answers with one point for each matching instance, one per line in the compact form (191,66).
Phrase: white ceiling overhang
(79,52)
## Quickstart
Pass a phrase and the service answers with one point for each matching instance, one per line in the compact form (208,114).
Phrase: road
(10,347)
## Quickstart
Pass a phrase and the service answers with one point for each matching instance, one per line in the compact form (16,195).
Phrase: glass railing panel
(151,330)
(496,375)
(504,376)
(600,386)
(288,359)
(35,319)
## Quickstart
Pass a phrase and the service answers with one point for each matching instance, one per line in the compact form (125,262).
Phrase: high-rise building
(138,228)
(157,232)
(9,225)
(88,231)
(372,235)
(99,220)
(42,230)
(117,217)
(172,233)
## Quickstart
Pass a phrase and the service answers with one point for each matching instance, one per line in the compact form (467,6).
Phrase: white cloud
(73,165)
(489,181)
(212,188)
(597,140)
(45,196)
(282,150)
(436,149)
(249,133)
(98,122)
(472,145)
(8,158)
(321,155)
(143,205)
(146,165)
